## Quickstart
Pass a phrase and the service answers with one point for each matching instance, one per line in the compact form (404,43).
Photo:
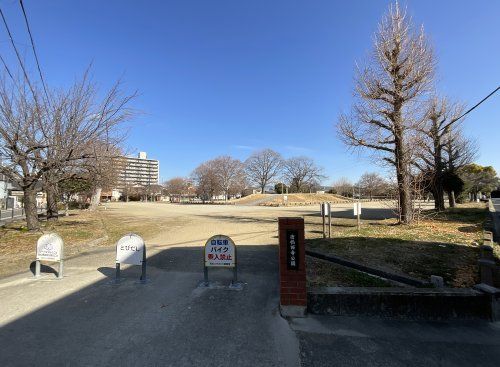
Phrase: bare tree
(433,141)
(21,143)
(301,173)
(206,180)
(102,169)
(343,186)
(263,166)
(177,187)
(230,174)
(40,142)
(373,184)
(459,152)
(388,93)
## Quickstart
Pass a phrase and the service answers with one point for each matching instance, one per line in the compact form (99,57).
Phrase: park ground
(84,319)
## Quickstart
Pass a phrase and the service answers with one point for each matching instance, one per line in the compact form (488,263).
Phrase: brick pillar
(293,292)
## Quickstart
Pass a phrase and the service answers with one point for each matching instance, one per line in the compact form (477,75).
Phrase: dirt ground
(161,225)
(441,247)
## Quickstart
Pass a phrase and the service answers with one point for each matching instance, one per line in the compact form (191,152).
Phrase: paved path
(356,341)
(167,322)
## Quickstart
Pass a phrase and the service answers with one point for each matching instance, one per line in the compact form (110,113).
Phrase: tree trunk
(474,196)
(404,199)
(30,209)
(403,180)
(51,191)
(451,199)
(437,192)
(96,198)
(437,180)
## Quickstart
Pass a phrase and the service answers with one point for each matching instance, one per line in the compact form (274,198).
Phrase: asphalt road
(356,341)
(167,322)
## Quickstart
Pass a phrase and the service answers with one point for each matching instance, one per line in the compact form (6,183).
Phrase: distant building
(139,171)
(5,187)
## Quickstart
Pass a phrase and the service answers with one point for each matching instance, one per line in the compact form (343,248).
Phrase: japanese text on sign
(220,251)
(130,249)
(292,249)
(49,247)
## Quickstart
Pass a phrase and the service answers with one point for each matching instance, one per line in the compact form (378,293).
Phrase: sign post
(49,247)
(220,252)
(329,221)
(131,249)
(325,213)
(357,212)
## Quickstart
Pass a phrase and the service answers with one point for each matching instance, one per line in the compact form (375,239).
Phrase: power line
(18,56)
(34,51)
(6,67)
(472,108)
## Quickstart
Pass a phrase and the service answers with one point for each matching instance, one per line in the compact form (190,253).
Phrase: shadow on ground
(168,321)
(366,213)
(44,269)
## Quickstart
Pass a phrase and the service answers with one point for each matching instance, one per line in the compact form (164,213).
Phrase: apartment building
(138,171)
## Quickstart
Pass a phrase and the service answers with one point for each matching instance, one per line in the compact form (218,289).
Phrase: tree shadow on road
(167,321)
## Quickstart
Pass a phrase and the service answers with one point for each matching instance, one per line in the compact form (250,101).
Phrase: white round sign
(220,251)
(130,249)
(49,247)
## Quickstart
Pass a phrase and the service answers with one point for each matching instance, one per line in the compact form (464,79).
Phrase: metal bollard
(117,274)
(37,268)
(143,278)
(61,269)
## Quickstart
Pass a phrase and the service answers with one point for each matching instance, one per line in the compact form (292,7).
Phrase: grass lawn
(441,244)
(306,199)
(321,273)
(17,244)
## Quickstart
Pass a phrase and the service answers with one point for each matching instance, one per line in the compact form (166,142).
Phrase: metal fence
(7,215)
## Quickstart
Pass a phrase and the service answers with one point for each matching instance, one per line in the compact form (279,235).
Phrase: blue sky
(229,77)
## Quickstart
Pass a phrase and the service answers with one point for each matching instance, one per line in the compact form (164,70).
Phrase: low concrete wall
(495,218)
(420,304)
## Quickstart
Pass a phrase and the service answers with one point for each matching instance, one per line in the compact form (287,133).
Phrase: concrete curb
(495,221)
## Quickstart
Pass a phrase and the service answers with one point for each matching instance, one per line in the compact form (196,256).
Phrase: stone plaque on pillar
(293,291)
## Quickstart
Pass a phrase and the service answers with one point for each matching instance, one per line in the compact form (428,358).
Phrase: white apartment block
(138,171)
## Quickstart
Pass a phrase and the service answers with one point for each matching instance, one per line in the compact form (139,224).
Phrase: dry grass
(324,274)
(248,199)
(307,199)
(444,244)
(17,244)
